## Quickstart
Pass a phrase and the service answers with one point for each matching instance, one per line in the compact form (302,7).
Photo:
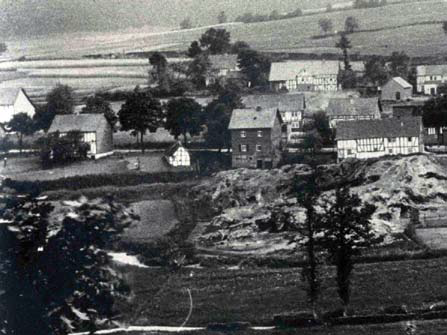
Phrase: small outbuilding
(14,101)
(396,89)
(94,128)
(177,156)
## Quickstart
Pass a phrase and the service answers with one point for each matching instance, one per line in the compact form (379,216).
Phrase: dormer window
(259,133)
(243,134)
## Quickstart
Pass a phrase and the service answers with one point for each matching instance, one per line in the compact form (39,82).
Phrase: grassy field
(256,295)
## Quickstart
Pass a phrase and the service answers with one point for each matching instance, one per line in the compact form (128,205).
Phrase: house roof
(250,118)
(8,96)
(219,62)
(353,106)
(282,71)
(405,127)
(431,70)
(402,82)
(81,122)
(172,149)
(281,102)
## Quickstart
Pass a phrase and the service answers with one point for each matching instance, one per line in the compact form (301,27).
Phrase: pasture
(257,294)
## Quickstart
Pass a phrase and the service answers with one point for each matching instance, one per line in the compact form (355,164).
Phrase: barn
(14,101)
(95,130)
(396,89)
(177,156)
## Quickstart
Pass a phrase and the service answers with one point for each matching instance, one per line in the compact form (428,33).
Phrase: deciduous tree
(399,64)
(141,113)
(255,66)
(216,41)
(184,116)
(23,125)
(345,231)
(325,25)
(351,24)
(160,73)
(198,69)
(60,100)
(98,105)
(376,71)
(194,49)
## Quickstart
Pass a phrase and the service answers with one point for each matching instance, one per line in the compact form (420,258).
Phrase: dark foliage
(216,41)
(255,66)
(98,105)
(56,149)
(194,49)
(435,112)
(23,125)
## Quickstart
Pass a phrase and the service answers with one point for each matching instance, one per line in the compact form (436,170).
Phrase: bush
(395,309)
(301,319)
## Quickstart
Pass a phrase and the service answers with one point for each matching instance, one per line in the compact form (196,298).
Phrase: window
(259,133)
(432,131)
(391,139)
(243,134)
(349,151)
(409,139)
(258,148)
(397,95)
(390,151)
(243,148)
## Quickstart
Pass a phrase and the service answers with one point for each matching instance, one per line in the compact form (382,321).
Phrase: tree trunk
(142,142)
(185,139)
(20,142)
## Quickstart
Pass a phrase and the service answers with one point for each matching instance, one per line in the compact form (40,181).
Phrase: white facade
(377,147)
(90,139)
(21,104)
(305,82)
(429,77)
(294,123)
(180,157)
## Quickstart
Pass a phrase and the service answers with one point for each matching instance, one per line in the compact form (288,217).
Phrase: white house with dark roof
(14,101)
(255,138)
(291,107)
(396,89)
(308,75)
(350,109)
(375,138)
(429,77)
(177,155)
(94,128)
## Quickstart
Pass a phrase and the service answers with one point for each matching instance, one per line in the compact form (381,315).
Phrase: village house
(94,128)
(291,107)
(223,68)
(177,156)
(349,109)
(308,75)
(14,101)
(375,138)
(396,89)
(430,77)
(255,138)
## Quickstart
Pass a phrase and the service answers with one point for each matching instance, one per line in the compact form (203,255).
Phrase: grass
(256,295)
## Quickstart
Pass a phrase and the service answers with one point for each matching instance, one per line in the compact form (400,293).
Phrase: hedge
(90,181)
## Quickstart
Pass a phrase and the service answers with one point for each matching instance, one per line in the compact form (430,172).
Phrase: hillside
(243,199)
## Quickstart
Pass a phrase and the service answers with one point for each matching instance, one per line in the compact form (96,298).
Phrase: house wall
(104,134)
(334,119)
(23,105)
(6,113)
(390,89)
(89,138)
(377,147)
(270,147)
(325,83)
(180,158)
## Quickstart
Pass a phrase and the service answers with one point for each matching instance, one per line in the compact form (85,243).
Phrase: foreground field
(256,295)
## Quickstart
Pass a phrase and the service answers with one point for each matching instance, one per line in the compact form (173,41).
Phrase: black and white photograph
(214,167)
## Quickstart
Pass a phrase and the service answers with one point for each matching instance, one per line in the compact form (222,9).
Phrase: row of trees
(273,16)
(351,25)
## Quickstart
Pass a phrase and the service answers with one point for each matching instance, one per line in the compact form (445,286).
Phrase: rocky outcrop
(243,201)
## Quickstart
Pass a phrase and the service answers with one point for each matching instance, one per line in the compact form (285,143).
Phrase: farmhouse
(291,107)
(376,138)
(348,109)
(396,89)
(14,101)
(429,77)
(176,155)
(223,68)
(95,130)
(255,138)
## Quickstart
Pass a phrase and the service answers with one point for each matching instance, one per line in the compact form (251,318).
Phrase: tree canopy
(376,71)
(98,105)
(325,25)
(23,124)
(60,100)
(141,113)
(194,49)
(216,41)
(351,24)
(160,73)
(399,64)
(198,69)
(435,112)
(184,116)
(255,66)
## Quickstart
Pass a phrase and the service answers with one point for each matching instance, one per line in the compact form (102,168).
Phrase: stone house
(396,89)
(256,138)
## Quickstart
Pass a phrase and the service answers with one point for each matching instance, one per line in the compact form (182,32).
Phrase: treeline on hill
(273,16)
(369,3)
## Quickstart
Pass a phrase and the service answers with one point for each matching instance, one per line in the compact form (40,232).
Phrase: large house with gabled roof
(222,68)
(350,109)
(94,128)
(255,138)
(14,101)
(375,138)
(396,89)
(430,77)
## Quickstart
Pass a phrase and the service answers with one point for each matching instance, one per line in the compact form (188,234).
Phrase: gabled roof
(353,106)
(404,127)
(282,71)
(8,96)
(220,62)
(431,70)
(81,122)
(281,102)
(251,118)
(401,81)
(172,149)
